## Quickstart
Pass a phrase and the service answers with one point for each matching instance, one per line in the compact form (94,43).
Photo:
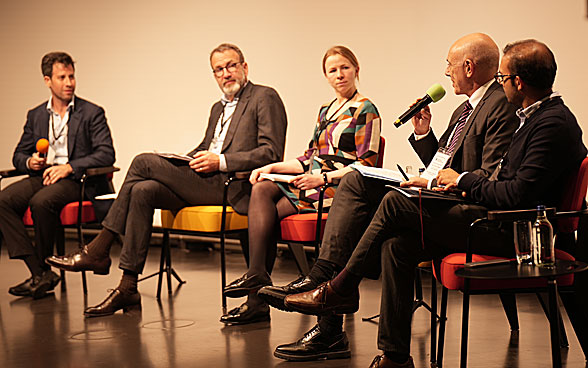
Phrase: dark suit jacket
(543,154)
(256,137)
(89,144)
(484,138)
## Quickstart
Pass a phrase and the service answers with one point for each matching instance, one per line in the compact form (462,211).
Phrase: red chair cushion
(445,273)
(301,227)
(69,214)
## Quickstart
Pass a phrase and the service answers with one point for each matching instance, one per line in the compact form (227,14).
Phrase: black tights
(267,206)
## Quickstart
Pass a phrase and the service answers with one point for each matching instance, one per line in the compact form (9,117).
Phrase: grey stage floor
(183,329)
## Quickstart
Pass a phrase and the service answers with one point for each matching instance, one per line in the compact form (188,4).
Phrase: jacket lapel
(213,121)
(241,105)
(73,124)
(474,114)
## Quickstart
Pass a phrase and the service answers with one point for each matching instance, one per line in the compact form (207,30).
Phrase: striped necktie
(467,109)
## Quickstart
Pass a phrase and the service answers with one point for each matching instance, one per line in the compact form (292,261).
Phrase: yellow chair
(214,221)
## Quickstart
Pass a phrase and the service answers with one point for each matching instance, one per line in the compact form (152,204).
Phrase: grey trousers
(154,182)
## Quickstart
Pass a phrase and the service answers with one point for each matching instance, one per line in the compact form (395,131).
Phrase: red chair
(572,203)
(304,229)
(74,214)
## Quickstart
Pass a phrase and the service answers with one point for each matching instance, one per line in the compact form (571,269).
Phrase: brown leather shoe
(323,300)
(114,302)
(81,261)
(381,361)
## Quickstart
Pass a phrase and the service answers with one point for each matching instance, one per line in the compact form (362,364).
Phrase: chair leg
(60,248)
(578,318)
(509,304)
(563,337)
(464,324)
(164,245)
(434,318)
(554,319)
(297,250)
(442,322)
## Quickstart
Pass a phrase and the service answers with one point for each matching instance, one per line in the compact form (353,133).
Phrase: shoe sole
(241,292)
(238,323)
(321,313)
(99,271)
(303,358)
(275,300)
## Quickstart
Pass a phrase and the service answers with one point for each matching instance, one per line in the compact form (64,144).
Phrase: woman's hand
(415,181)
(254,177)
(308,181)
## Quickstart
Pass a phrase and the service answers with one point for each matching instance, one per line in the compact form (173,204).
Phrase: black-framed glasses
(501,78)
(231,68)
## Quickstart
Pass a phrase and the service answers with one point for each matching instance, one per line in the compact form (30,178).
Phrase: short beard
(233,89)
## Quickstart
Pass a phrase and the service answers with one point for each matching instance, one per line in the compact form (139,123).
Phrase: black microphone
(434,94)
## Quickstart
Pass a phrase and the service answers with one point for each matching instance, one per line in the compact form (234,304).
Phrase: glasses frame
(231,68)
(501,78)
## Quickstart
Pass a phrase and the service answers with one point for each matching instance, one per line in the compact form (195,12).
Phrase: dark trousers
(154,182)
(393,242)
(353,207)
(46,203)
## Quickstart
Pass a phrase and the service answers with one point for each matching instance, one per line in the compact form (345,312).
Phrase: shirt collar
(476,97)
(70,105)
(529,110)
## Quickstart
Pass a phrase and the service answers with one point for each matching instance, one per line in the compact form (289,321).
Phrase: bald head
(482,50)
(533,62)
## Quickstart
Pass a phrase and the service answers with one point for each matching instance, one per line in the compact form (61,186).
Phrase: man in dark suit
(246,130)
(79,138)
(545,150)
(476,143)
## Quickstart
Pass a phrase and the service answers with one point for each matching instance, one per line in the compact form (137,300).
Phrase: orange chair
(307,228)
(572,203)
(74,214)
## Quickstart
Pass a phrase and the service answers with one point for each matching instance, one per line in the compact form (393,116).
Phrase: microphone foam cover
(42,145)
(436,92)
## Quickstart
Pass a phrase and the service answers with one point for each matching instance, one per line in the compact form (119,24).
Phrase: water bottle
(543,249)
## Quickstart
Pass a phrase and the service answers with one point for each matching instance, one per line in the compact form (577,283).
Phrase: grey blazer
(484,139)
(256,137)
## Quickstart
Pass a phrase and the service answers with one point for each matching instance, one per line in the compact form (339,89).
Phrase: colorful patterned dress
(352,136)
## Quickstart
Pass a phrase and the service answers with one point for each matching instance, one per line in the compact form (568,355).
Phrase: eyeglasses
(231,68)
(501,78)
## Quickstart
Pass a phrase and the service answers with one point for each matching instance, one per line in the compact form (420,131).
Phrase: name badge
(438,162)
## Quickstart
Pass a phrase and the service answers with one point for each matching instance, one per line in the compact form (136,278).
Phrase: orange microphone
(42,147)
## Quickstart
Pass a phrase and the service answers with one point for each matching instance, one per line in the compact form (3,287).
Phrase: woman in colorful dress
(347,132)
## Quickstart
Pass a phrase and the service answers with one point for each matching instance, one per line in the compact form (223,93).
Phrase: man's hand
(422,121)
(55,173)
(205,162)
(36,162)
(308,181)
(447,177)
(415,181)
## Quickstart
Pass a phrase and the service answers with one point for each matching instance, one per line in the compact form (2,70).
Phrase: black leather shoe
(274,295)
(315,345)
(114,302)
(245,314)
(81,261)
(37,286)
(245,284)
(22,289)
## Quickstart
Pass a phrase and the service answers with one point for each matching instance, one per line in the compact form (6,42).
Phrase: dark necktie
(467,109)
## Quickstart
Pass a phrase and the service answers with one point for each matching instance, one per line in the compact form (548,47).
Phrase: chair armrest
(517,215)
(10,173)
(101,170)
